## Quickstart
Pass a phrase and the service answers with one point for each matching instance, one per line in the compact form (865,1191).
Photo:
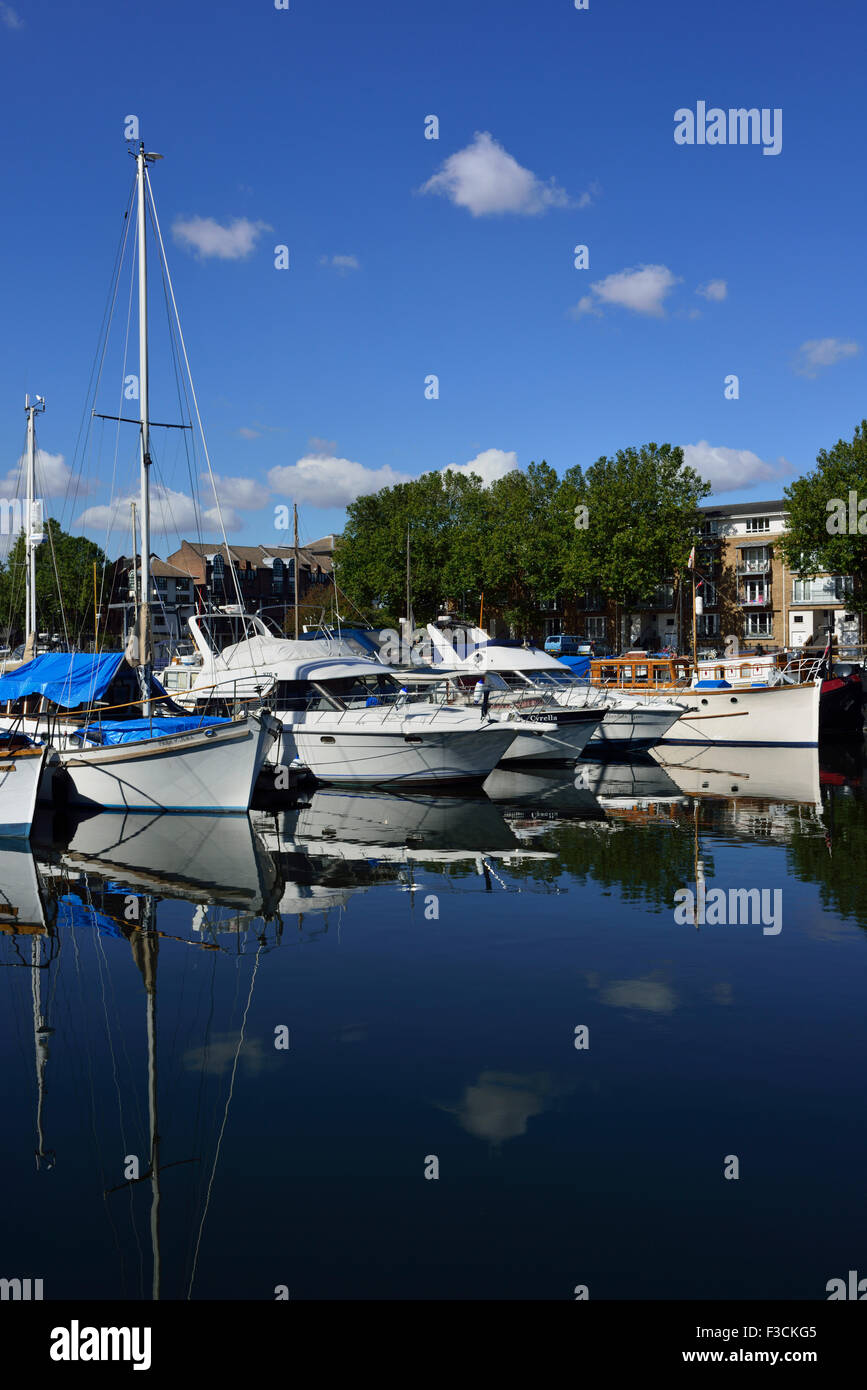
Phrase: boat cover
(72,911)
(578,665)
(69,679)
(114,731)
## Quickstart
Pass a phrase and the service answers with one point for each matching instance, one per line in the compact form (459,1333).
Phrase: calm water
(431,959)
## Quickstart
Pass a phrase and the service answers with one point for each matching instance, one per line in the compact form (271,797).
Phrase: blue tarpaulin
(113,731)
(73,912)
(67,679)
(578,665)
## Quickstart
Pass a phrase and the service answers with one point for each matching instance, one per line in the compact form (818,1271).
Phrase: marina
(433,683)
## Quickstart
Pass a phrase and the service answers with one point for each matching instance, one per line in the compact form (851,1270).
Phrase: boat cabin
(641,670)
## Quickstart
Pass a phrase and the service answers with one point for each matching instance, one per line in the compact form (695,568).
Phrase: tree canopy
(818,503)
(516,540)
(641,520)
(64,600)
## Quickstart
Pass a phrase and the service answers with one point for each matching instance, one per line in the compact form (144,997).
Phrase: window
(707,624)
(831,588)
(759,624)
(758,523)
(595,628)
(162,583)
(710,528)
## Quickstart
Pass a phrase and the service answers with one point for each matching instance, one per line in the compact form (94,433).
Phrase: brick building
(263,575)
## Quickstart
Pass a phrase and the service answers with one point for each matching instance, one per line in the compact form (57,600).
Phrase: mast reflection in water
(234,1044)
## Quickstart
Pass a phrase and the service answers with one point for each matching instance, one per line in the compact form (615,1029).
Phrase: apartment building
(754,595)
(746,589)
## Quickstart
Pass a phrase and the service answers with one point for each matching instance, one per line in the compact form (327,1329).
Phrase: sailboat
(166,761)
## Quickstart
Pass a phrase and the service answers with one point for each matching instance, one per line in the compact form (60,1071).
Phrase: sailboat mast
(144,625)
(297,577)
(31,538)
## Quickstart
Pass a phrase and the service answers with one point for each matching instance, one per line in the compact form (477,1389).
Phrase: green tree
(814,540)
(523,545)
(445,516)
(64,585)
(641,520)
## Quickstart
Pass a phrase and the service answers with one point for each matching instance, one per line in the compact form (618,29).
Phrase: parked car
(564,644)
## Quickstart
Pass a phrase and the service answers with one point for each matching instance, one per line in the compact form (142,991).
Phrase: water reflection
(149,964)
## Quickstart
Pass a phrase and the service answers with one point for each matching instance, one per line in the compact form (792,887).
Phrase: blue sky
(306,127)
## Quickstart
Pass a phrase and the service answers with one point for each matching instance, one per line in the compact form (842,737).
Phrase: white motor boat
(348,720)
(625,723)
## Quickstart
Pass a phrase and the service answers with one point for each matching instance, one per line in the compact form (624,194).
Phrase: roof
(263,556)
(734,508)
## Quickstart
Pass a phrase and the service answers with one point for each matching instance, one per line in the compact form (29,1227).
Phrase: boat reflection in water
(640,787)
(203,859)
(532,801)
(342,843)
(765,773)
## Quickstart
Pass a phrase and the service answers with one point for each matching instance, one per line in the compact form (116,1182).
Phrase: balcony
(761,599)
(753,565)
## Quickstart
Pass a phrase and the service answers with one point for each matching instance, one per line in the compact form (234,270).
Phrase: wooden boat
(714,711)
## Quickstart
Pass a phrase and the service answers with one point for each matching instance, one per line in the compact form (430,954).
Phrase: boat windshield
(355,692)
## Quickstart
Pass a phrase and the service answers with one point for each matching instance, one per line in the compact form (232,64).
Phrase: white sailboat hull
(20,775)
(777,716)
(210,770)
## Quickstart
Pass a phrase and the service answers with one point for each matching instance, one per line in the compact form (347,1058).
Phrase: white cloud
(209,238)
(589,196)
(246,433)
(817,353)
(170,511)
(714,290)
(53,476)
(486,179)
(642,289)
(728,469)
(586,305)
(341,263)
(323,480)
(490,464)
(245,493)
(231,519)
(10,18)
